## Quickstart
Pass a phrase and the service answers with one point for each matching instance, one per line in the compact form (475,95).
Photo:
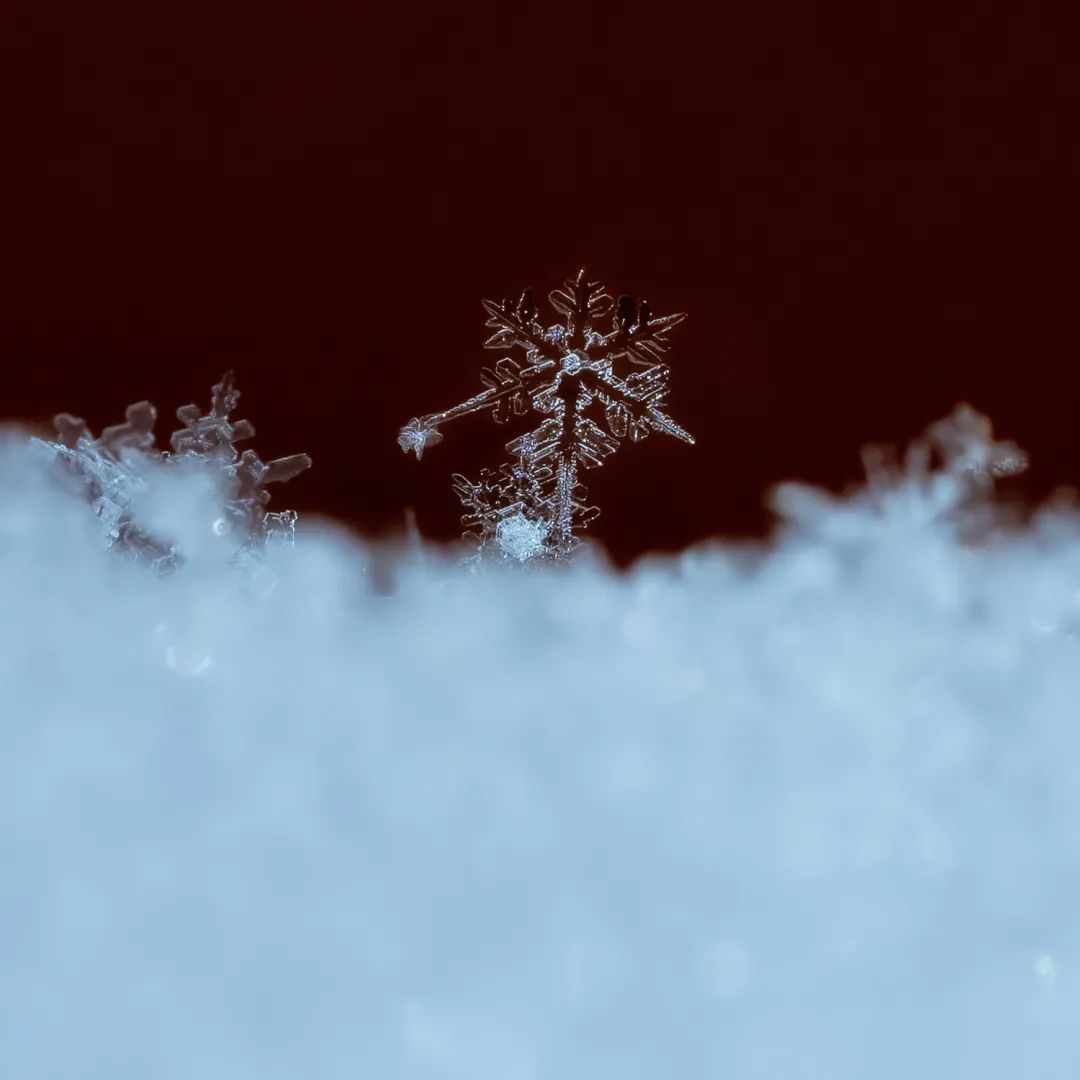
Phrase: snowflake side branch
(581,303)
(613,391)
(515,324)
(639,335)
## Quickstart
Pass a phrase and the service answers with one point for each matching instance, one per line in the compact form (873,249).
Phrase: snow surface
(805,812)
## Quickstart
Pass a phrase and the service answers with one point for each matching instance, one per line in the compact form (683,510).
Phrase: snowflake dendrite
(534,505)
(114,470)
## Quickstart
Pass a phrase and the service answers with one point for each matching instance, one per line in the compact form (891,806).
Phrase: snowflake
(115,470)
(520,538)
(567,371)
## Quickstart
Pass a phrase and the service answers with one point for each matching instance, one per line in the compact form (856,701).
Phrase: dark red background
(868,216)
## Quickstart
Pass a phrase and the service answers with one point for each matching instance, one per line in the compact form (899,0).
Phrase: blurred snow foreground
(804,810)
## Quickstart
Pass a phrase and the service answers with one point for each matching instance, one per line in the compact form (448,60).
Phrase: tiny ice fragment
(520,538)
(415,437)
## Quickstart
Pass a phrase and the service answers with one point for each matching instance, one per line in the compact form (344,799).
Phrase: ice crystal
(535,505)
(966,445)
(520,538)
(115,471)
(945,475)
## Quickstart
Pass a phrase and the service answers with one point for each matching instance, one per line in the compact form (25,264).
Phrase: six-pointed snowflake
(534,504)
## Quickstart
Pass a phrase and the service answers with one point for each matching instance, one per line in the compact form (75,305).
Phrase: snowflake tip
(416,438)
(1009,460)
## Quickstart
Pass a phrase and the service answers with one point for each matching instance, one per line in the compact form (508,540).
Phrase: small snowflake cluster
(946,476)
(114,471)
(534,506)
(952,465)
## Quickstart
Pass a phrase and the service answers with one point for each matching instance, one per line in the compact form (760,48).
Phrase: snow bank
(805,812)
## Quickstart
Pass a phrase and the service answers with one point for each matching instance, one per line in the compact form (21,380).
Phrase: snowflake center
(572,363)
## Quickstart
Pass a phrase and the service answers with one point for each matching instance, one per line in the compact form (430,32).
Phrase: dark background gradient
(869,216)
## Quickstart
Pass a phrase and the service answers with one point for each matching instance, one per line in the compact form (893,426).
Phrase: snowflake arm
(283,469)
(516,324)
(638,335)
(509,389)
(213,433)
(632,403)
(136,433)
(581,303)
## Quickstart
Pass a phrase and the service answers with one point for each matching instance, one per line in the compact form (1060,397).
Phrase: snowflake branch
(581,302)
(638,335)
(635,404)
(516,324)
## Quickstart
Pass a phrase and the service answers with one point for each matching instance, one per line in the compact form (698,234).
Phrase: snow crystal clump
(520,538)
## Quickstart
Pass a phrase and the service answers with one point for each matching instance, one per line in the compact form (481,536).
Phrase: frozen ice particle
(519,538)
